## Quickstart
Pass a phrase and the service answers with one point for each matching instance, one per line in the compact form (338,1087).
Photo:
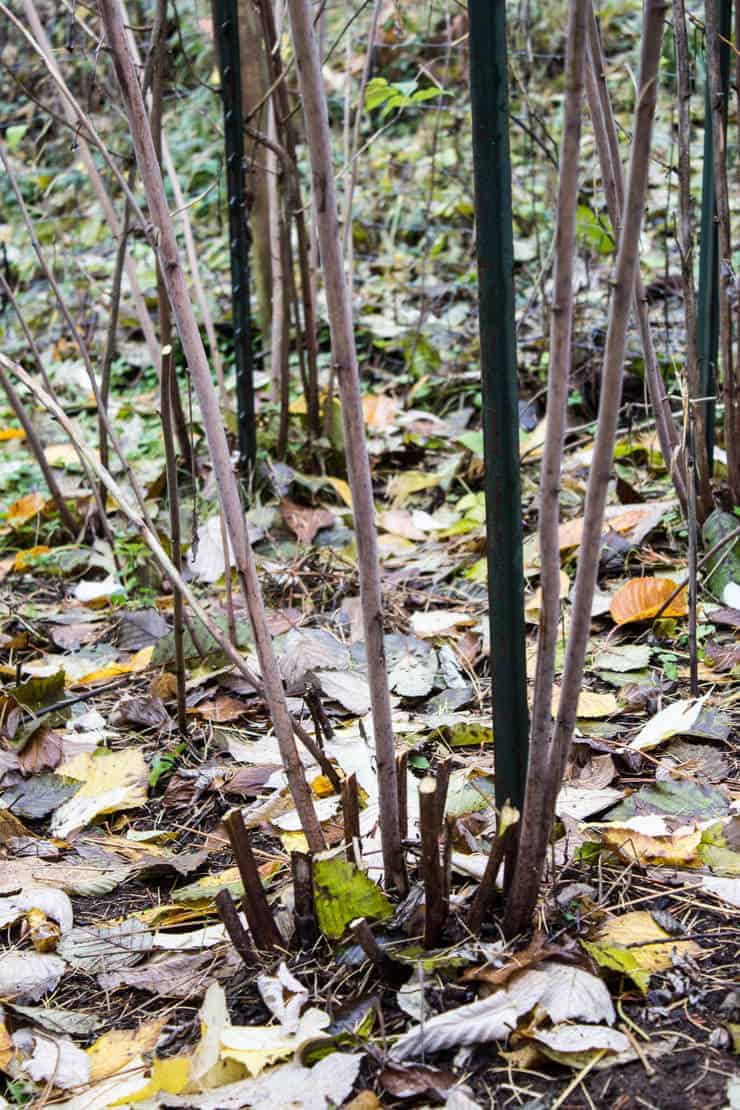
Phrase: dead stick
(435,908)
(228,490)
(487,888)
(350,810)
(237,933)
(174,502)
(304,910)
(390,971)
(402,760)
(264,931)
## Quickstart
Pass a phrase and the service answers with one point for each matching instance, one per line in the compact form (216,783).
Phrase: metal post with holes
(226,33)
(492,164)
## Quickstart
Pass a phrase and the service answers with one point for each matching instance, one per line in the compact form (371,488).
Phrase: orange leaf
(25,509)
(11,433)
(380,410)
(21,561)
(641,599)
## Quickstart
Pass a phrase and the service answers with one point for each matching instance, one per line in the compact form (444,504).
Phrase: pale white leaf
(56,1059)
(676,718)
(349,689)
(569,1039)
(283,995)
(54,903)
(29,975)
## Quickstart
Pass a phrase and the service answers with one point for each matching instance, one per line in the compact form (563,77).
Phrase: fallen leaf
(97,592)
(641,599)
(25,509)
(351,690)
(258,1046)
(566,993)
(676,718)
(111,781)
(637,946)
(326,1085)
(675,850)
(342,488)
(54,903)
(590,704)
(24,559)
(342,893)
(112,1052)
(27,976)
(97,949)
(221,710)
(380,410)
(49,1059)
(303,521)
(438,622)
(577,1045)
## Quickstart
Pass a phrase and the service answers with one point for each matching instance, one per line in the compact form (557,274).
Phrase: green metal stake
(226,28)
(492,163)
(707,316)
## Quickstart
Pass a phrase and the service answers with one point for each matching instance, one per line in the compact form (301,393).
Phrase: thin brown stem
(534,839)
(561,327)
(200,373)
(612,172)
(344,358)
(700,462)
(174,503)
(265,932)
(435,906)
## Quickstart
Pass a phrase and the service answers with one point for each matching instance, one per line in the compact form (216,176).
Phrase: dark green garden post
(490,101)
(225,24)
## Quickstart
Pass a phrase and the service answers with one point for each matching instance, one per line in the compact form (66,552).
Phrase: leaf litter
(118,982)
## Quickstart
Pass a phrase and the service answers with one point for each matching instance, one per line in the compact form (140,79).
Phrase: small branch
(168,388)
(259,915)
(487,888)
(391,971)
(402,761)
(237,933)
(304,912)
(350,810)
(435,912)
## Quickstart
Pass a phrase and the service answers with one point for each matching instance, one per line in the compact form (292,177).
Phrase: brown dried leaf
(43,751)
(222,709)
(305,522)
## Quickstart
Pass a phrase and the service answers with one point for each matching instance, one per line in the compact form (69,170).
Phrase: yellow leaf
(257,1046)
(61,454)
(322,787)
(641,599)
(402,486)
(590,704)
(668,851)
(111,781)
(137,663)
(11,433)
(7,1048)
(21,560)
(114,1050)
(25,509)
(171,1075)
(637,946)
(342,488)
(294,841)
